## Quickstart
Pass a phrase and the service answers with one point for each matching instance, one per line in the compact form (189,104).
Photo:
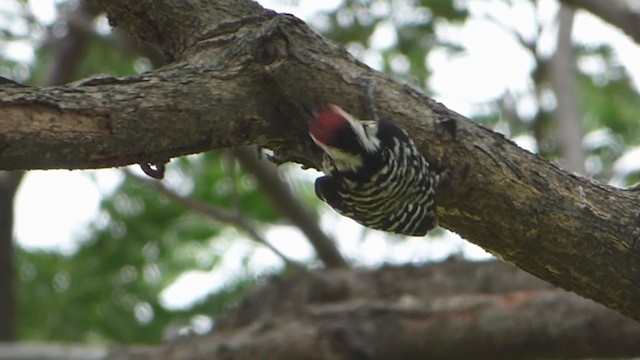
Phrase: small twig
(530,45)
(233,176)
(290,206)
(235,219)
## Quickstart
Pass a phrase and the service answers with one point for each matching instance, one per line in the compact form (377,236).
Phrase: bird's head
(346,140)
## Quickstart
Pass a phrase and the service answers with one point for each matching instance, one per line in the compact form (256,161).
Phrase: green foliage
(213,183)
(413,23)
(613,104)
(608,98)
(108,289)
(89,298)
(141,243)
(99,57)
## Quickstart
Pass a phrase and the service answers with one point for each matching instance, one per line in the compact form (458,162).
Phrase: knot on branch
(272,50)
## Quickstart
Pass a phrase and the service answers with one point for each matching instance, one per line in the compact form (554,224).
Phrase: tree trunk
(567,116)
(9,182)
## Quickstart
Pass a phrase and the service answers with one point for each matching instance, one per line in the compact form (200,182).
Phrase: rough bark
(453,310)
(240,78)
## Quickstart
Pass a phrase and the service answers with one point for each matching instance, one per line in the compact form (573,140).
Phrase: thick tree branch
(619,13)
(106,122)
(156,21)
(243,82)
(453,310)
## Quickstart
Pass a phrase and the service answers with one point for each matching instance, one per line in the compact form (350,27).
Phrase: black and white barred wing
(398,198)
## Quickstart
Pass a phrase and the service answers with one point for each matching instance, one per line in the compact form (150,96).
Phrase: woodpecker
(374,173)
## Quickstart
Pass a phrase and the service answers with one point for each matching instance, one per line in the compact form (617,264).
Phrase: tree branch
(290,206)
(451,310)
(243,82)
(618,13)
(235,219)
(437,311)
(156,22)
(104,122)
(567,117)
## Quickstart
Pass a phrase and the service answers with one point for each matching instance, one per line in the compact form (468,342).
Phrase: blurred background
(108,256)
